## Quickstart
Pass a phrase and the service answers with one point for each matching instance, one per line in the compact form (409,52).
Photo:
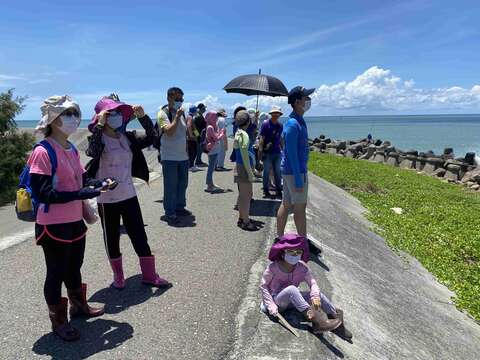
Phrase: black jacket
(137,143)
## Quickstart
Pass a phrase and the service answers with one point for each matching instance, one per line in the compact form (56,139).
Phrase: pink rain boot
(118,278)
(150,276)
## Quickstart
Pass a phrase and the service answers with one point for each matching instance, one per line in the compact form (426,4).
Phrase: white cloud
(379,89)
(211,102)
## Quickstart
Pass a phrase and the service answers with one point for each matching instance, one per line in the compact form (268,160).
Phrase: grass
(440,224)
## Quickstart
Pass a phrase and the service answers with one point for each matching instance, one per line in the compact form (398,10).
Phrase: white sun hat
(53,107)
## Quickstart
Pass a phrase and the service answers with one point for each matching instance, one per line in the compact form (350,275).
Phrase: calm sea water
(420,132)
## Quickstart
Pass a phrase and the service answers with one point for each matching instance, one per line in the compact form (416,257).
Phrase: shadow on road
(296,320)
(262,207)
(317,260)
(135,293)
(96,336)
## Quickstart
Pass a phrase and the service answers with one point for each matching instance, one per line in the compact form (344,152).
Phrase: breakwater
(461,170)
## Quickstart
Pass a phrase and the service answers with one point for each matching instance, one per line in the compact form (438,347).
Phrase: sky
(362,56)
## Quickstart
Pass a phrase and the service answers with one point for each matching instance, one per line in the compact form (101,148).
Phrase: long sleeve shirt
(296,149)
(275,280)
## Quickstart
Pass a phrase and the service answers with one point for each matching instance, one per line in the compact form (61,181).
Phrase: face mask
(115,120)
(178,105)
(307,105)
(291,259)
(70,124)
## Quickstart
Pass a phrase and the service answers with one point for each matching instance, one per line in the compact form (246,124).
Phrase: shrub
(13,145)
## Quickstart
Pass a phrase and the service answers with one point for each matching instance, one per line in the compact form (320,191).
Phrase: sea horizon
(420,132)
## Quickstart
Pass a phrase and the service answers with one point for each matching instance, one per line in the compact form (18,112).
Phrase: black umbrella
(256,84)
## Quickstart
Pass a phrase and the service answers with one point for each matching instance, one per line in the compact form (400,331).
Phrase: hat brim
(125,109)
(289,242)
(276,112)
(308,92)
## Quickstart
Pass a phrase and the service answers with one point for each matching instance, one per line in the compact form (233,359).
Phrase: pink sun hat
(289,242)
(109,104)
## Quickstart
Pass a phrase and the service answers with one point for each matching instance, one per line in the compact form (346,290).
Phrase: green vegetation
(13,145)
(440,224)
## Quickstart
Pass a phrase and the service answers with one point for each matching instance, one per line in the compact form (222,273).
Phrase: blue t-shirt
(272,134)
(295,153)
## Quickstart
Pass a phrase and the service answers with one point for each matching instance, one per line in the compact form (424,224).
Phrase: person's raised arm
(169,129)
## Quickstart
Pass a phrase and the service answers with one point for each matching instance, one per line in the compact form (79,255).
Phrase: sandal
(247,226)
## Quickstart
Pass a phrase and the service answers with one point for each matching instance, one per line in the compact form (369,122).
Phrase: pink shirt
(68,177)
(275,280)
(116,162)
(213,138)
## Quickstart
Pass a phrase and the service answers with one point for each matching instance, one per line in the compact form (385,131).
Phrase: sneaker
(183,212)
(201,164)
(194,168)
(170,219)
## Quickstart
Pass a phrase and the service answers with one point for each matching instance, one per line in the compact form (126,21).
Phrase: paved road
(208,261)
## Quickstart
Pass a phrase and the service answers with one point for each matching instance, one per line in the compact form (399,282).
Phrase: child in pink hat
(280,291)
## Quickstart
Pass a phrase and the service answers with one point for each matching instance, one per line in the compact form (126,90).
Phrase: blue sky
(364,56)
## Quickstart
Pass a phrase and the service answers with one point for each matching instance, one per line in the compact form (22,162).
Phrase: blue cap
(298,92)
(192,109)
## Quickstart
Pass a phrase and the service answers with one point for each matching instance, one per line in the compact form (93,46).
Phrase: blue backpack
(26,204)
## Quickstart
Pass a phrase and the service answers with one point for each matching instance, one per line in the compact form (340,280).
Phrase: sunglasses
(71,112)
(294,252)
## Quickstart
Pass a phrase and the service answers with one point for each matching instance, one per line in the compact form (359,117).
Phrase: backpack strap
(73,147)
(53,160)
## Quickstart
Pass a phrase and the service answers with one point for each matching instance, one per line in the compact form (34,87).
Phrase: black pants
(192,152)
(129,211)
(64,261)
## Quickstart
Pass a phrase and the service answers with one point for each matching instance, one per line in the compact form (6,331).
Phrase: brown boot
(60,324)
(79,305)
(341,331)
(321,323)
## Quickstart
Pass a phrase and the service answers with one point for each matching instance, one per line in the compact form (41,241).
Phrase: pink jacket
(275,280)
(213,136)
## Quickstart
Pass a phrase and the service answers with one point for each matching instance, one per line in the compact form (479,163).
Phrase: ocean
(419,132)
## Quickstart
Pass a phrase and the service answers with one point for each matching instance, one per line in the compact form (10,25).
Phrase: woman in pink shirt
(117,154)
(59,227)
(280,290)
(215,140)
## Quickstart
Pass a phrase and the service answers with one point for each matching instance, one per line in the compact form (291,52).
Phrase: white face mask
(115,120)
(69,124)
(178,105)
(307,105)
(292,259)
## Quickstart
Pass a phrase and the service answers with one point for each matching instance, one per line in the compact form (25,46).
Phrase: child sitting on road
(280,290)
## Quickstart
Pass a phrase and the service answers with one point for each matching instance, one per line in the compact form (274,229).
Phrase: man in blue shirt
(294,163)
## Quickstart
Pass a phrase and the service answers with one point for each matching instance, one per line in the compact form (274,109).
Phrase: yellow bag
(24,206)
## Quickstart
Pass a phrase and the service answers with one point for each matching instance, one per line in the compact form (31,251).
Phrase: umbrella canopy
(256,84)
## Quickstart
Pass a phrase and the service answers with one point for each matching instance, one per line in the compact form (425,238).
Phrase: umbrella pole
(259,73)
